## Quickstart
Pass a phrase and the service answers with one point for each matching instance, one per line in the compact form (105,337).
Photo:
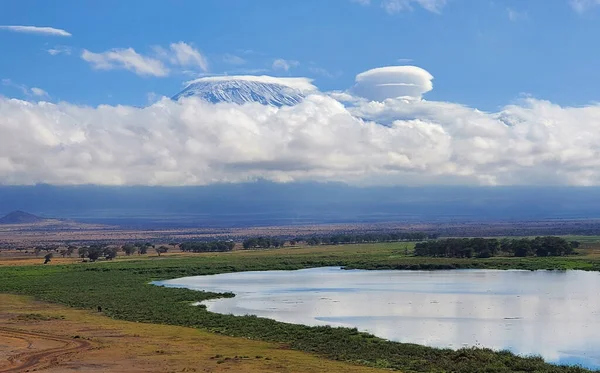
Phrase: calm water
(549,313)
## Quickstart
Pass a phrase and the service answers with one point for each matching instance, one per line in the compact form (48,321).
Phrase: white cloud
(25,90)
(39,92)
(21,87)
(59,49)
(395,6)
(583,5)
(285,65)
(321,71)
(392,82)
(393,141)
(29,92)
(404,60)
(362,2)
(183,54)
(232,59)
(515,15)
(178,54)
(37,30)
(126,59)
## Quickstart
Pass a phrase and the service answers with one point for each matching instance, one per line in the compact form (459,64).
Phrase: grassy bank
(121,288)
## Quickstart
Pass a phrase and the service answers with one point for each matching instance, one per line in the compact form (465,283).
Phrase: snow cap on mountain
(241,89)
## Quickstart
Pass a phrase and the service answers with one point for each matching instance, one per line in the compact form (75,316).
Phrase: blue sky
(391,92)
(484,54)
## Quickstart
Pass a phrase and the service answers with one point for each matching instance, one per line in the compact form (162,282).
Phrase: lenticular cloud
(380,137)
(393,82)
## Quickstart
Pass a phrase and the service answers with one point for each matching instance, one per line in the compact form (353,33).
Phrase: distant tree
(110,252)
(293,242)
(314,240)
(47,258)
(82,252)
(142,250)
(249,243)
(94,252)
(63,253)
(129,249)
(71,250)
(37,250)
(161,250)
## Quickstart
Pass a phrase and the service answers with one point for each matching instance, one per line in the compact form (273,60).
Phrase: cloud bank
(373,138)
(37,30)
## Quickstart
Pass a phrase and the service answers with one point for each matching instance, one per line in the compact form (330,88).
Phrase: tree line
(263,243)
(207,247)
(486,248)
(336,239)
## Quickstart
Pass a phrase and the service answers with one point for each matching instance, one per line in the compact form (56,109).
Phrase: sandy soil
(50,338)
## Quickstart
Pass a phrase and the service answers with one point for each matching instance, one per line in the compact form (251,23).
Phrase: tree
(110,252)
(82,252)
(71,250)
(142,249)
(47,258)
(63,252)
(129,249)
(94,252)
(161,250)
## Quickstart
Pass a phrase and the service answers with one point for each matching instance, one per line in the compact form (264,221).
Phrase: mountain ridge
(241,90)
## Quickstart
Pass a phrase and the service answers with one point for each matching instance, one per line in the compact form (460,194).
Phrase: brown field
(29,235)
(51,338)
(56,232)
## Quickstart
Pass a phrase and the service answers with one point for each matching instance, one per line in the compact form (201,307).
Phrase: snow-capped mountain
(243,89)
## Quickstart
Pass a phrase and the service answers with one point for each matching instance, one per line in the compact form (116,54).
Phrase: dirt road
(38,357)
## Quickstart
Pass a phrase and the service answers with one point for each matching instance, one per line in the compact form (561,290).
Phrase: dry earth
(37,336)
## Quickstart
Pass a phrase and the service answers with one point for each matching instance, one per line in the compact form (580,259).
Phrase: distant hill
(20,217)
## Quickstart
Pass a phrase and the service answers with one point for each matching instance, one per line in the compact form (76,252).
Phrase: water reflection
(550,313)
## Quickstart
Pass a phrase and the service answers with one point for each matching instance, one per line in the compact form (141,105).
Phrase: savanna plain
(105,316)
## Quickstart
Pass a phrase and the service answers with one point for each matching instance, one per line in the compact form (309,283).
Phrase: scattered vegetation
(38,317)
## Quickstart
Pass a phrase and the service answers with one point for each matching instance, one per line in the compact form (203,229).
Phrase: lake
(555,314)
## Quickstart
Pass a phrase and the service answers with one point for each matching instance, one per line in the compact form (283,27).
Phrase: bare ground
(37,336)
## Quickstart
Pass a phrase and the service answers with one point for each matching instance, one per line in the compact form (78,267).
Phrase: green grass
(122,289)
